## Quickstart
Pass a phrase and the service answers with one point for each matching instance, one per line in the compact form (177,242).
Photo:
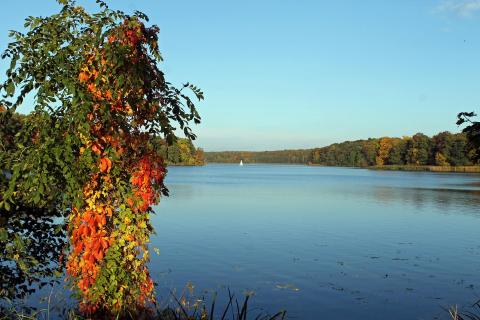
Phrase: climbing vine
(90,147)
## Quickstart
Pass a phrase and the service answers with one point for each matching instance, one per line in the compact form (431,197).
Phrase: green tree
(90,148)
(458,155)
(398,152)
(472,131)
(442,144)
(418,150)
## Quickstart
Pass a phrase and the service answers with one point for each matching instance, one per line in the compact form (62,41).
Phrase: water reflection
(31,243)
(442,199)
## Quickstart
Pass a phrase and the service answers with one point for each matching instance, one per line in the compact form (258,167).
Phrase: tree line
(442,149)
(181,152)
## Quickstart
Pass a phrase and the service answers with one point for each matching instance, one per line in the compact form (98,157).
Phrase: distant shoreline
(458,169)
(421,168)
(424,168)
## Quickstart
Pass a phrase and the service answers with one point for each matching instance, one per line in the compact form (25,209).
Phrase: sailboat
(241,163)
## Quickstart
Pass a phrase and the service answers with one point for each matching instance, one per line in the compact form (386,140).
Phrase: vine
(107,104)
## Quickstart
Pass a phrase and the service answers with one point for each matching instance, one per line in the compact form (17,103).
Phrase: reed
(182,308)
(461,169)
(455,314)
(232,310)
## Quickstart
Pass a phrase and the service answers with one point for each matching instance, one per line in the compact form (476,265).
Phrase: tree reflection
(31,245)
(444,198)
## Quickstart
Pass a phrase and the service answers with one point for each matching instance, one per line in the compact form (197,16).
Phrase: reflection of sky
(395,242)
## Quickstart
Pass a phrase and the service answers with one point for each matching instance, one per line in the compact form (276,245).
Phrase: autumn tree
(316,156)
(89,148)
(199,156)
(369,151)
(385,145)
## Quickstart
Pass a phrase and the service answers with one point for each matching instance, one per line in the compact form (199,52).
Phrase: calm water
(323,243)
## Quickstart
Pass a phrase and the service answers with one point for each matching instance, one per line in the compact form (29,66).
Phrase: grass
(233,310)
(182,308)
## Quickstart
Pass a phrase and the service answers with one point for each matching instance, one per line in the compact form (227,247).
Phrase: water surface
(321,242)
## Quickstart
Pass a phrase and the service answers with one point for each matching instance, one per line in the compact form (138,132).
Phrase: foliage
(433,168)
(418,150)
(472,131)
(31,239)
(444,148)
(181,152)
(385,146)
(31,242)
(184,307)
(90,147)
(281,156)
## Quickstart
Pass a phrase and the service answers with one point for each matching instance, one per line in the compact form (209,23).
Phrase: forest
(181,152)
(442,149)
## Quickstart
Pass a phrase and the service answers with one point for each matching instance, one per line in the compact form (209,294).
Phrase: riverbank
(461,169)
(182,164)
(458,169)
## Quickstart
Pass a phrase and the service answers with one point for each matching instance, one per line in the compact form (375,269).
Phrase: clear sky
(293,74)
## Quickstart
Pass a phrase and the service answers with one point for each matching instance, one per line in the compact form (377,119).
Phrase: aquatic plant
(473,314)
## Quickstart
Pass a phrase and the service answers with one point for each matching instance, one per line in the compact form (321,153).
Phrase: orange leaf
(83,76)
(96,148)
(105,165)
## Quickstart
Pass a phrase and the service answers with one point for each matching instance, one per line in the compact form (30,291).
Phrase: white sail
(241,163)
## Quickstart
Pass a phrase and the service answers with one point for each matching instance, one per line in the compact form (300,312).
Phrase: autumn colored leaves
(109,233)
(105,165)
(91,147)
(148,172)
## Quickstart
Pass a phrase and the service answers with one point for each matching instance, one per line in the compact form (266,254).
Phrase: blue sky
(295,74)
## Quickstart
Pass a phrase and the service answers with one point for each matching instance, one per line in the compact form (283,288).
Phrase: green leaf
(10,89)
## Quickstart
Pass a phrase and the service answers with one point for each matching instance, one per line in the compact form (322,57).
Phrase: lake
(322,242)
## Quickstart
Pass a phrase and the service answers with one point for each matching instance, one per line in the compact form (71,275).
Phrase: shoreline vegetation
(446,169)
(443,152)
(181,152)
(458,169)
(449,169)
(186,306)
